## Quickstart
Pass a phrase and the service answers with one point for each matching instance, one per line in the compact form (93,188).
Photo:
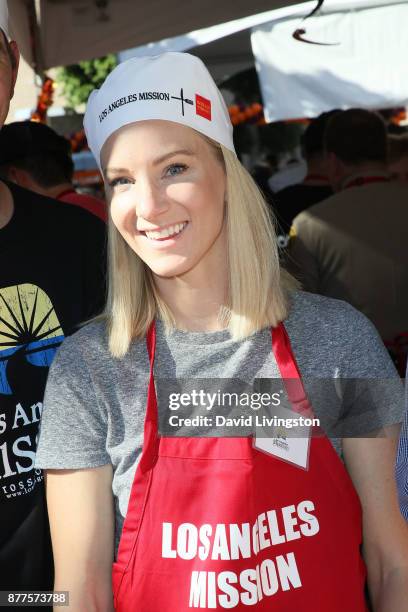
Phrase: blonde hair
(258,289)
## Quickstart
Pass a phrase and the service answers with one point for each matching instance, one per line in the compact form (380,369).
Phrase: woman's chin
(170,271)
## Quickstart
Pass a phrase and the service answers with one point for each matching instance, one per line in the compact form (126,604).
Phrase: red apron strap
(151,342)
(151,436)
(151,390)
(283,353)
(289,370)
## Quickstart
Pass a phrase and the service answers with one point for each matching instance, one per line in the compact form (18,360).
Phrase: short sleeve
(374,394)
(73,429)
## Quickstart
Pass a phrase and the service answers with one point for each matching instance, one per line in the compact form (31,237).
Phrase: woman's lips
(167,233)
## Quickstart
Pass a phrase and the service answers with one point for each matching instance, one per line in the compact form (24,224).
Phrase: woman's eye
(175,169)
(122,180)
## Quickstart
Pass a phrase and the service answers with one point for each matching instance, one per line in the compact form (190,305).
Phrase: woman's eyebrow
(162,158)
(156,162)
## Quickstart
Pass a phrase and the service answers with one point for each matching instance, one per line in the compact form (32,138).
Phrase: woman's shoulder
(91,337)
(318,311)
(331,337)
(89,346)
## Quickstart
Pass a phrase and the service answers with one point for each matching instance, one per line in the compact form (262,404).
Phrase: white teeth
(165,233)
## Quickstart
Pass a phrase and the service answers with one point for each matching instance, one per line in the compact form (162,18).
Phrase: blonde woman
(195,291)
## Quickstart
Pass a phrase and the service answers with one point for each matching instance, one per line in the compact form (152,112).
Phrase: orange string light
(245,114)
(44,101)
(78,141)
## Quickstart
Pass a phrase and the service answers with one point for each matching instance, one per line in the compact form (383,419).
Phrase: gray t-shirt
(95,404)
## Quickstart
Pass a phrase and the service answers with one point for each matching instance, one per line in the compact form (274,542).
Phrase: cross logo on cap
(182,99)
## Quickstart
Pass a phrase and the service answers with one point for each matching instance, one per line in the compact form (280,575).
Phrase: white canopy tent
(60,32)
(364,63)
(367,68)
(225,48)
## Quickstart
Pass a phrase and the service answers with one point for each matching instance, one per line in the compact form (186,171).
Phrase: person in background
(315,187)
(353,246)
(51,279)
(398,157)
(35,157)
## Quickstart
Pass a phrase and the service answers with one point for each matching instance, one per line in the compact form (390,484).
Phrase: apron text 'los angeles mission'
(232,541)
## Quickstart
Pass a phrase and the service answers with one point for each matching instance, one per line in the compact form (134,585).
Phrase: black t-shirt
(52,277)
(292,200)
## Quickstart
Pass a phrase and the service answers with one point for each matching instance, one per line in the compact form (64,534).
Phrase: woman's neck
(195,298)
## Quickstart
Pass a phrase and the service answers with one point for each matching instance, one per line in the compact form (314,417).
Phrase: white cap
(172,86)
(4,23)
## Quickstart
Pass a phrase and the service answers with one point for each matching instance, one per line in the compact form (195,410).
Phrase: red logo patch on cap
(203,107)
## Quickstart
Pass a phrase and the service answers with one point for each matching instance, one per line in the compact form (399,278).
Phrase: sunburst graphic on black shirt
(30,334)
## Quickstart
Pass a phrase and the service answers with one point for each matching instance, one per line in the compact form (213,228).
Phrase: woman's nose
(151,201)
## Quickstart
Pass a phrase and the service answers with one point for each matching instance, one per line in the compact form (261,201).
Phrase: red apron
(212,523)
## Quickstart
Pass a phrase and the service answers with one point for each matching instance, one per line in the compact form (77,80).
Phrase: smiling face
(8,73)
(166,187)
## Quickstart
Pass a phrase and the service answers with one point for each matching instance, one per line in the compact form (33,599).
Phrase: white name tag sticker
(292,450)
(289,444)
